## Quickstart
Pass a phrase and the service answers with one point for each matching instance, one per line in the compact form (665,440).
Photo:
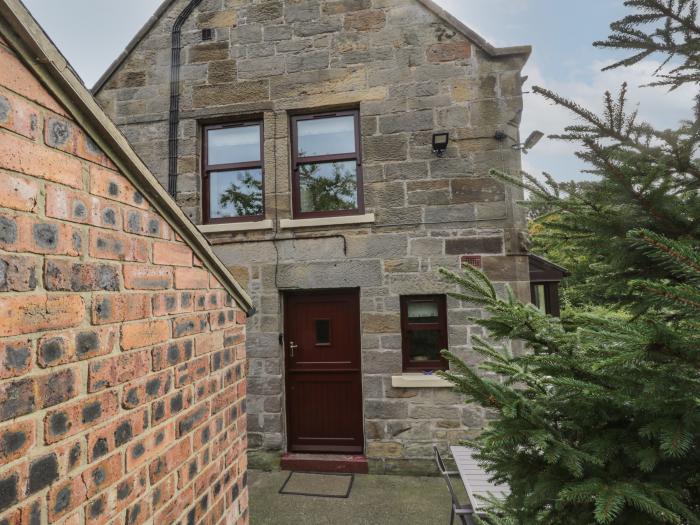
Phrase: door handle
(292,347)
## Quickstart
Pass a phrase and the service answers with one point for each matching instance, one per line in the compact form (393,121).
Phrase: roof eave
(39,53)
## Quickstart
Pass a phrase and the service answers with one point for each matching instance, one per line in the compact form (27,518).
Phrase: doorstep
(348,463)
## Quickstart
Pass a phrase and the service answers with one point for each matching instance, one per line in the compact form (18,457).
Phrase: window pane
(540,298)
(424,345)
(235,193)
(423,312)
(323,331)
(326,136)
(233,145)
(328,186)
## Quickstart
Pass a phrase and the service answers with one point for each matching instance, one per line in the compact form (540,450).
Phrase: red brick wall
(122,388)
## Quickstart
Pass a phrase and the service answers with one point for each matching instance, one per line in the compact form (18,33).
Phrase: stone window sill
(327,221)
(419,381)
(236,227)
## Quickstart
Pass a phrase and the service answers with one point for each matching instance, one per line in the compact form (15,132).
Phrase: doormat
(320,485)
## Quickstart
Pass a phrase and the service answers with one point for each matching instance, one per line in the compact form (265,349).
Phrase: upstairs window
(327,167)
(423,332)
(233,173)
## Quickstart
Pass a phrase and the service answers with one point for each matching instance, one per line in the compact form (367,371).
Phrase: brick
(224,319)
(169,461)
(119,369)
(190,278)
(36,313)
(130,488)
(104,441)
(66,496)
(214,282)
(57,387)
(17,398)
(115,308)
(207,343)
(235,336)
(31,513)
(190,324)
(114,186)
(145,390)
(71,455)
(192,419)
(175,403)
(191,371)
(66,136)
(97,510)
(144,333)
(9,490)
(145,223)
(368,20)
(140,513)
(18,193)
(69,347)
(173,303)
(22,233)
(30,158)
(42,473)
(69,420)
(102,475)
(17,273)
(152,445)
(19,116)
(63,203)
(66,275)
(16,439)
(172,254)
(15,358)
(116,246)
(163,492)
(19,79)
(171,354)
(449,51)
(141,277)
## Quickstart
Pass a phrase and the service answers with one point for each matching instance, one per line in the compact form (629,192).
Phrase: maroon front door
(324,389)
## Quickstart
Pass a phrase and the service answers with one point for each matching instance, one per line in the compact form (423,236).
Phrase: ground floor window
(545,296)
(423,332)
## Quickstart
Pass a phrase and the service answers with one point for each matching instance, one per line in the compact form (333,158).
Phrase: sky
(560,31)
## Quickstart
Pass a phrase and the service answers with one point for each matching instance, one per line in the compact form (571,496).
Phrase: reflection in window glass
(423,312)
(233,145)
(424,345)
(328,186)
(323,331)
(326,136)
(540,297)
(236,193)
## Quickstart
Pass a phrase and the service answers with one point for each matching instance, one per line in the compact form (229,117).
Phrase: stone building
(122,336)
(299,135)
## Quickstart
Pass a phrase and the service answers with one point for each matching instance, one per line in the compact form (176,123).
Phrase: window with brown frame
(233,188)
(327,164)
(423,332)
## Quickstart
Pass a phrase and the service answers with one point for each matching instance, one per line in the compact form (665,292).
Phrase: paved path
(374,500)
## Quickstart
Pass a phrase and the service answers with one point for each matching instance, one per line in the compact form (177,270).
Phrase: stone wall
(411,74)
(122,374)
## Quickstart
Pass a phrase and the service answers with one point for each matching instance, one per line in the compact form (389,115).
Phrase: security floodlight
(440,142)
(529,143)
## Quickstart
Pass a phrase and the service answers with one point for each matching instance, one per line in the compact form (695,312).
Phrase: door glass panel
(236,193)
(323,331)
(540,298)
(328,186)
(423,312)
(326,136)
(234,145)
(424,345)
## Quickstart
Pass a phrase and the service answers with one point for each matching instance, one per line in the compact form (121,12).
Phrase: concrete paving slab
(374,500)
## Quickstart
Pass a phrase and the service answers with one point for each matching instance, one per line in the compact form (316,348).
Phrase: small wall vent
(472,260)
(207,34)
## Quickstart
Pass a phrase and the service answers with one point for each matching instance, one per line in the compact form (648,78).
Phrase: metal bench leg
(452,515)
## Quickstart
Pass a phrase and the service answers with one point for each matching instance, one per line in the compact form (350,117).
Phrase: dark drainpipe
(174,117)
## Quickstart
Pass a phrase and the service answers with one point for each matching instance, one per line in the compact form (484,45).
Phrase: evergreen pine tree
(598,420)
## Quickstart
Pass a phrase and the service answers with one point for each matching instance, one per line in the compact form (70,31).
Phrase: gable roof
(441,13)
(40,55)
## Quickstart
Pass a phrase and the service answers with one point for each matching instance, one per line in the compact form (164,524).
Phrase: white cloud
(656,105)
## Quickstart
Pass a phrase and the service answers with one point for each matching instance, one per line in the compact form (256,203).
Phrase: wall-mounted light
(529,143)
(440,142)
